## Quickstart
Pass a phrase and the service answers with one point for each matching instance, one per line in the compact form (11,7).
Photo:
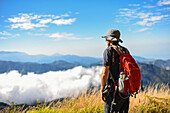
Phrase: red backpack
(130,76)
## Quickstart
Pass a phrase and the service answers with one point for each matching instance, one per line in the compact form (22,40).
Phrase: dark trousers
(122,104)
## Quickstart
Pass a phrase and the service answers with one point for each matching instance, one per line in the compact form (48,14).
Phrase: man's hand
(101,91)
(104,100)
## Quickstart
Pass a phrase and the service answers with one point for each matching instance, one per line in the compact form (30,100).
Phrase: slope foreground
(155,99)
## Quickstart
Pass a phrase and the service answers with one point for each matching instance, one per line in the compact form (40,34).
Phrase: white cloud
(144,15)
(149,6)
(23,18)
(130,13)
(3,38)
(134,5)
(8,35)
(45,21)
(141,30)
(5,33)
(47,86)
(69,36)
(16,35)
(154,18)
(26,26)
(124,9)
(38,34)
(41,29)
(134,13)
(77,13)
(31,21)
(36,16)
(56,17)
(65,15)
(24,21)
(64,21)
(150,21)
(163,2)
(164,9)
(59,36)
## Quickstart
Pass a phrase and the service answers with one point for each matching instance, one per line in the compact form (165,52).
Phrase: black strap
(111,76)
(113,55)
(113,60)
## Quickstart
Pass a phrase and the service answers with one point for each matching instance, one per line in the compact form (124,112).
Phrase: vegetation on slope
(155,99)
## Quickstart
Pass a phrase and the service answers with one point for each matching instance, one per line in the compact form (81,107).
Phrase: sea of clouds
(26,89)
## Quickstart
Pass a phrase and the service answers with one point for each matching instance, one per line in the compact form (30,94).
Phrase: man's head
(113,35)
(109,43)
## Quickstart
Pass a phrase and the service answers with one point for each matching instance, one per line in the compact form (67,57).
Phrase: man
(114,101)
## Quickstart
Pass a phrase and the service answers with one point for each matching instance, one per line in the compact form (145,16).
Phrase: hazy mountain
(142,59)
(23,57)
(153,74)
(165,64)
(24,68)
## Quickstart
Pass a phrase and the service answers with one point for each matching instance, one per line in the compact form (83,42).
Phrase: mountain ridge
(161,63)
(23,57)
(83,60)
(24,68)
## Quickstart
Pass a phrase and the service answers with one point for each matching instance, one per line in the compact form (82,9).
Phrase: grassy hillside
(152,100)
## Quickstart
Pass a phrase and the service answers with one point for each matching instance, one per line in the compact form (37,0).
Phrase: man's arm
(104,77)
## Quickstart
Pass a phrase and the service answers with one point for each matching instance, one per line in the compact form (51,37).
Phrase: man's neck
(114,43)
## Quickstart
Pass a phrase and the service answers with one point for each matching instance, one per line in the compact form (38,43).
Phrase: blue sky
(76,26)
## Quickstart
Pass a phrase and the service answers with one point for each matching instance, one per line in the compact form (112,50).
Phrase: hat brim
(112,39)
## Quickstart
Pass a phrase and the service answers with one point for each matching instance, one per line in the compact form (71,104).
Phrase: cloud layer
(51,85)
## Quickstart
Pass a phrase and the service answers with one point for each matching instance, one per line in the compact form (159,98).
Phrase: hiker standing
(114,102)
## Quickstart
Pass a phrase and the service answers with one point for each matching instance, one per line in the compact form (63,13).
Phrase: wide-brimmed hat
(113,35)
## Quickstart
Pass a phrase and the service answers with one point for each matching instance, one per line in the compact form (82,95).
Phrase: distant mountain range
(153,74)
(142,59)
(152,70)
(74,59)
(161,63)
(23,57)
(24,68)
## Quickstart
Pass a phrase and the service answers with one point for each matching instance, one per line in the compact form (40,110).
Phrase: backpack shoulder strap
(118,49)
(113,54)
(124,50)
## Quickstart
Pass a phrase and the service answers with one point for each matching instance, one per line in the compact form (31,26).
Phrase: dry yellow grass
(152,100)
(86,102)
(157,94)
